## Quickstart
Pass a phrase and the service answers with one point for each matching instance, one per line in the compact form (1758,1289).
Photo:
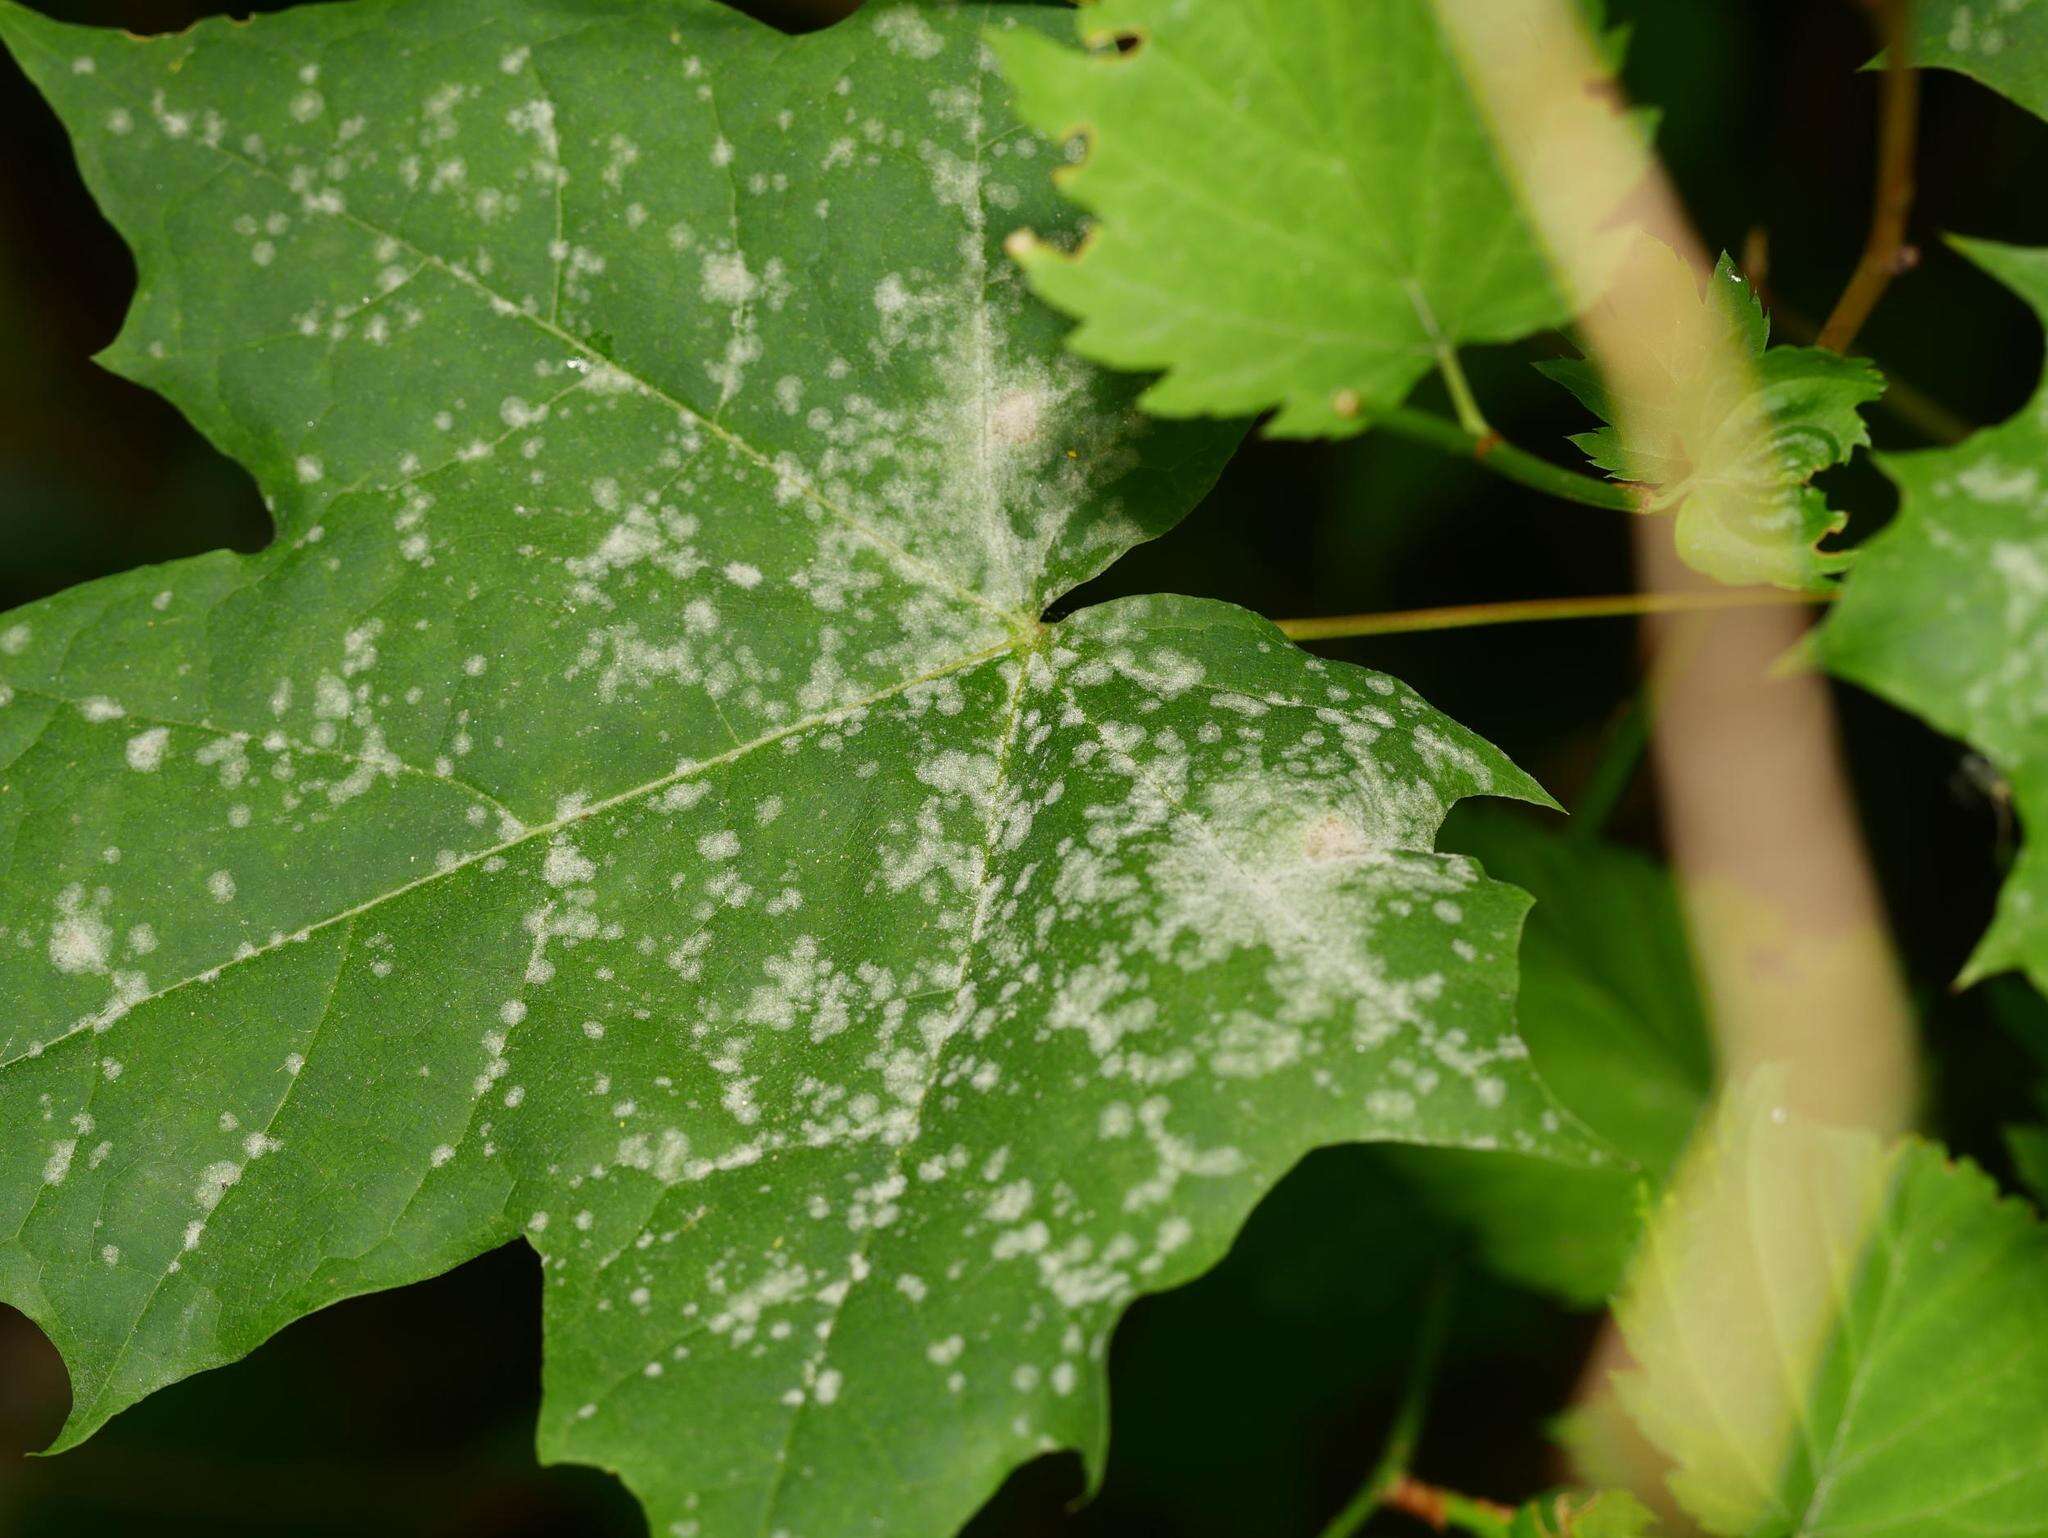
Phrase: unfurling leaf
(635,803)
(1730,450)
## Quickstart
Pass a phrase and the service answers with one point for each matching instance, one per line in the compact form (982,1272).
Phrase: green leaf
(2003,44)
(635,805)
(1947,616)
(1611,1011)
(1297,206)
(1836,1337)
(1733,456)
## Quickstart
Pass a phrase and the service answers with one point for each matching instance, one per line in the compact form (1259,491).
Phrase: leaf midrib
(1006,744)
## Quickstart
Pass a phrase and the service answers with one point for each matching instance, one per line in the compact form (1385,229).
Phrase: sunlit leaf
(1297,206)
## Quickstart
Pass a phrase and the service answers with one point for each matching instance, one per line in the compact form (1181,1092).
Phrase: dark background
(1251,1402)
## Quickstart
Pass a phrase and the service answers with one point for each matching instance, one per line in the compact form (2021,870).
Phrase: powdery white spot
(564,865)
(214,1181)
(79,937)
(145,750)
(727,279)
(309,469)
(222,885)
(906,32)
(1017,416)
(58,1165)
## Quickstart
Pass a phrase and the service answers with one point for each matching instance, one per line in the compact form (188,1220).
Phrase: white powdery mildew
(145,750)
(1131,814)
(1004,467)
(1968,558)
(80,938)
(1980,519)
(906,32)
(58,1165)
(1984,28)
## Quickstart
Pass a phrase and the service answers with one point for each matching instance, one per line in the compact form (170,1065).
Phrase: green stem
(1463,401)
(1487,448)
(1401,1437)
(1342,627)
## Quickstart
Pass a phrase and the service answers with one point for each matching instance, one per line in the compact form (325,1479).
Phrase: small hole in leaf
(1123,43)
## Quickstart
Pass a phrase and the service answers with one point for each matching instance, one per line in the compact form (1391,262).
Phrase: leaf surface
(634,803)
(1947,616)
(1298,206)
